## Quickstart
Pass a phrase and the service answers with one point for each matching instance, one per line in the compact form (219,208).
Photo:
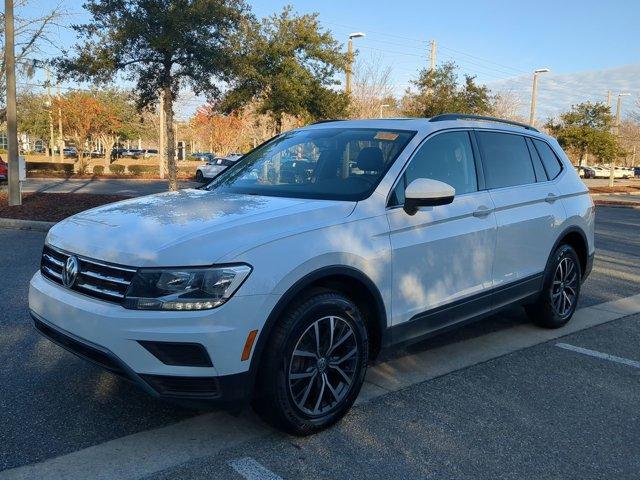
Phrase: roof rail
(464,116)
(327,121)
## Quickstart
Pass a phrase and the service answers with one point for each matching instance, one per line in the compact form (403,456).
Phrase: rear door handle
(482,211)
(551,198)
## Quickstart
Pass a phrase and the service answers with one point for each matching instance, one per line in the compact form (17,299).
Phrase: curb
(635,206)
(34,225)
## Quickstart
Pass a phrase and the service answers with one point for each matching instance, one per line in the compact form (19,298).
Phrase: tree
(82,117)
(161,45)
(117,119)
(33,115)
(31,32)
(372,90)
(287,64)
(439,92)
(223,134)
(587,128)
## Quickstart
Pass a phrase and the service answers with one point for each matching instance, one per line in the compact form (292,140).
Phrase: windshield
(330,163)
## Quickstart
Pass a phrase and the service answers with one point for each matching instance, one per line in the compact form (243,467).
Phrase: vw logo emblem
(70,271)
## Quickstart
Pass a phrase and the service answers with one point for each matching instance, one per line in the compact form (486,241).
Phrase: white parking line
(604,356)
(252,470)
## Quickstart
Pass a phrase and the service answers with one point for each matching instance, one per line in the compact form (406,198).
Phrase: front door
(442,256)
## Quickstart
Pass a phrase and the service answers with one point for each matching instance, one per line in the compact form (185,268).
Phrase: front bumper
(227,389)
(113,337)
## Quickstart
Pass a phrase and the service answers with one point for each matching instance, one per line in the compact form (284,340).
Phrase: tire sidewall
(322,307)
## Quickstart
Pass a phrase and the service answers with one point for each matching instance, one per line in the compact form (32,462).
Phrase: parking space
(483,412)
(544,412)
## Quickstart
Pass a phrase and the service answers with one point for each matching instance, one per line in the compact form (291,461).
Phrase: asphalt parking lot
(496,399)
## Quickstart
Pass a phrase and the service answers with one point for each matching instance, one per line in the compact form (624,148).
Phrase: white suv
(283,278)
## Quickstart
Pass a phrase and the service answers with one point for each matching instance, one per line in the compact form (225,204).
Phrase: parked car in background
(216,166)
(282,292)
(70,152)
(150,152)
(207,157)
(600,172)
(585,172)
(4,169)
(636,172)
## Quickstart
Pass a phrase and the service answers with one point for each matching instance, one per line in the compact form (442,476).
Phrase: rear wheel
(561,290)
(315,365)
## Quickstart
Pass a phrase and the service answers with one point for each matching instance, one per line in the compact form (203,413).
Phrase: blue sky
(584,43)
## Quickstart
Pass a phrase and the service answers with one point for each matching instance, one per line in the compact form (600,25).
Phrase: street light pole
(534,94)
(15,196)
(382,107)
(349,68)
(617,134)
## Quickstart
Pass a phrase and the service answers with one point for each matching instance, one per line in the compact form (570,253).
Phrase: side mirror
(426,192)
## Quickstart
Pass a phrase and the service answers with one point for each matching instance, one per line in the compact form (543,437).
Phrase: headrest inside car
(370,159)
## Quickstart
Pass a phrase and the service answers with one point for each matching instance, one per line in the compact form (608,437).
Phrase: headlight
(184,288)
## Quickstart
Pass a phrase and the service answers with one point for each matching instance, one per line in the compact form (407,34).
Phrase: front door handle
(482,211)
(551,198)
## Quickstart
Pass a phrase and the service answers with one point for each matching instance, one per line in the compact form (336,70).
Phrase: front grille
(95,279)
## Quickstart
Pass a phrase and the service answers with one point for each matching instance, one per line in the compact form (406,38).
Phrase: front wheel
(199,176)
(561,290)
(315,364)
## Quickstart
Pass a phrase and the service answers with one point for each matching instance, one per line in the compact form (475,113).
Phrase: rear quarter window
(549,159)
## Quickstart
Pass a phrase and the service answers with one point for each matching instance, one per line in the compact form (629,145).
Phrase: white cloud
(557,92)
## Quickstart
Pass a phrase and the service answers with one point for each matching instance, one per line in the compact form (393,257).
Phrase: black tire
(291,404)
(199,176)
(560,292)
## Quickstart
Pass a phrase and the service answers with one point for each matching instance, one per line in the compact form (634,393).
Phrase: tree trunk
(278,123)
(171,146)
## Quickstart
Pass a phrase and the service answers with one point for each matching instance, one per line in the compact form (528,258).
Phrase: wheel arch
(577,239)
(341,278)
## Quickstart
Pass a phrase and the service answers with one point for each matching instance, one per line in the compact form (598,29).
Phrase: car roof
(428,125)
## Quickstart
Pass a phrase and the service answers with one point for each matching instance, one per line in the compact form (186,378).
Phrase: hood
(188,227)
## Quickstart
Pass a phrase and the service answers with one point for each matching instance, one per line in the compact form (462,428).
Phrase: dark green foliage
(587,128)
(66,168)
(98,169)
(288,64)
(116,169)
(139,170)
(439,92)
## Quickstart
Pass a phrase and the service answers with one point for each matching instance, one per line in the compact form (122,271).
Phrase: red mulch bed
(53,207)
(616,189)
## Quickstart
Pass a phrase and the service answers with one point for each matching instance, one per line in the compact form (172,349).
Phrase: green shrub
(142,169)
(98,169)
(66,168)
(117,169)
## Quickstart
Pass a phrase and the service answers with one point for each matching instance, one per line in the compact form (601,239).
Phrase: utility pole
(349,68)
(161,143)
(609,98)
(60,136)
(617,134)
(534,94)
(15,196)
(50,100)
(432,55)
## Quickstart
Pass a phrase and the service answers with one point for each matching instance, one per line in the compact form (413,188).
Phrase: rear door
(527,209)
(441,256)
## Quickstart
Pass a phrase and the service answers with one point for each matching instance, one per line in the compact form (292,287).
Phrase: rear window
(506,159)
(549,159)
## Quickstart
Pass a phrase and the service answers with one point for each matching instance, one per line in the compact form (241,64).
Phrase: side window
(506,159)
(549,159)
(541,175)
(447,157)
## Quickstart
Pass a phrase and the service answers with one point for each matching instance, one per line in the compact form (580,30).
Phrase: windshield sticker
(389,136)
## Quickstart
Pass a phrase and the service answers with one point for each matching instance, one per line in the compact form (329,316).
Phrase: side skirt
(467,310)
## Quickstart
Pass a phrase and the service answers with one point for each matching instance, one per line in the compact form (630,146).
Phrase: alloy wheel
(323,365)
(564,288)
